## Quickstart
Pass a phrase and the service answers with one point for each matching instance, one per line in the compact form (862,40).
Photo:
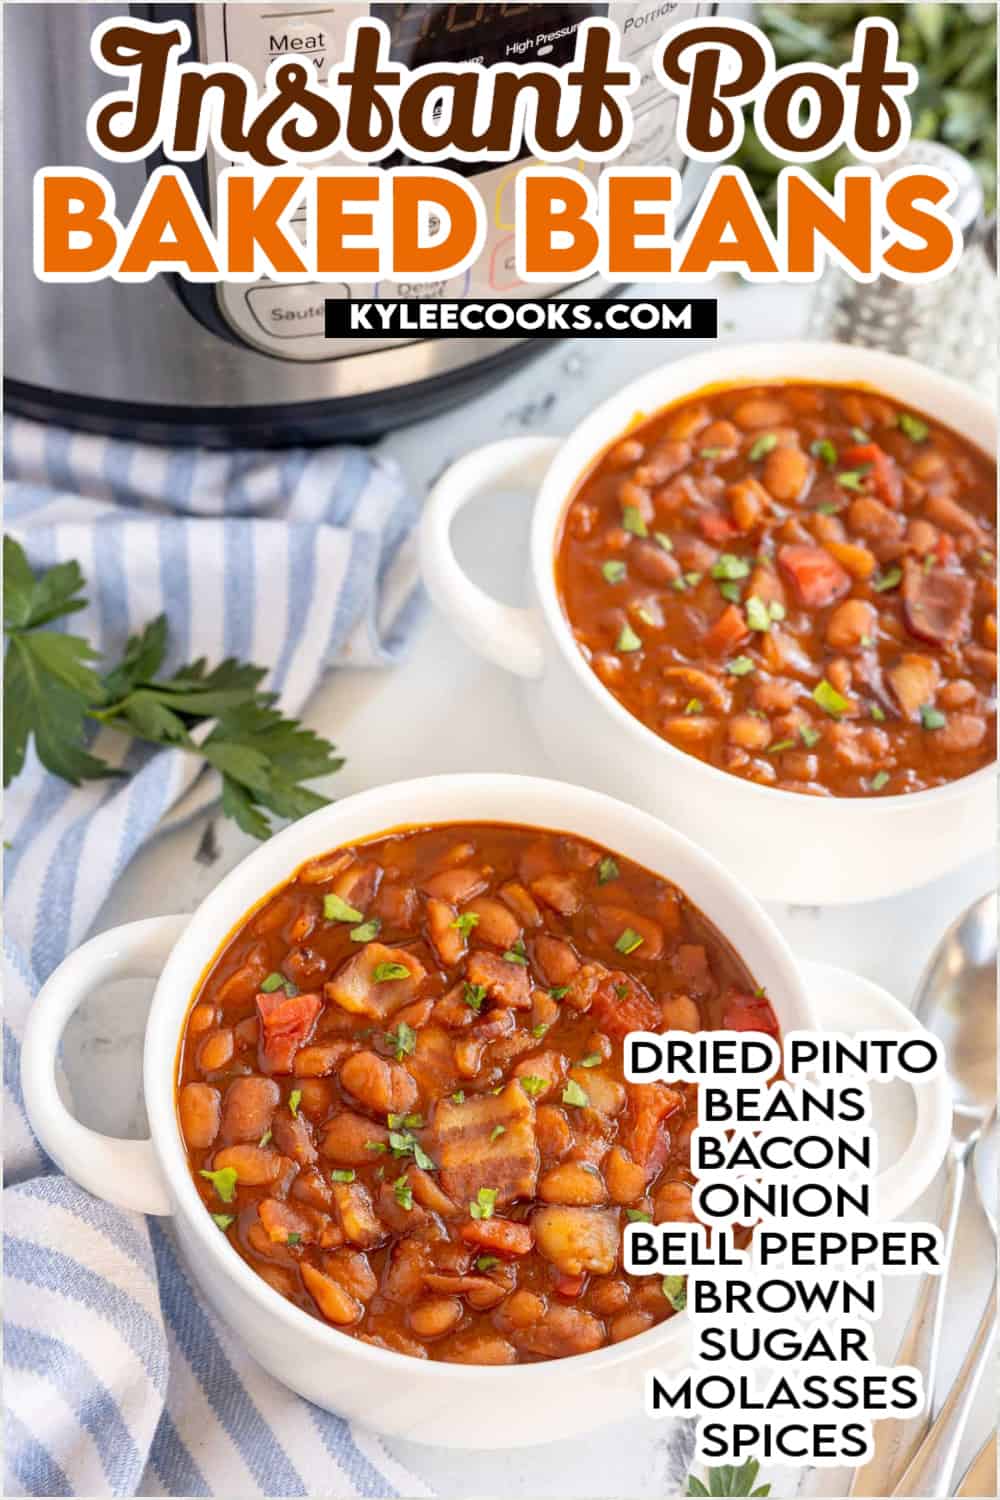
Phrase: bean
(851,623)
(963,731)
(334,1301)
(720,434)
(626,454)
(572,1182)
(201,1018)
(552,1132)
(522,1309)
(800,765)
(325,868)
(686,422)
(254,1165)
(921,536)
(380,1086)
(608,1297)
(434,1316)
(249,1107)
(745,504)
(628,1324)
(957,694)
(497,924)
(320,1059)
(680,1013)
(625,1178)
(690,729)
(348,1137)
(859,561)
(748,732)
(216,1050)
(928,464)
(672,1203)
(786,473)
(775,694)
(199,1107)
(652,564)
(760,411)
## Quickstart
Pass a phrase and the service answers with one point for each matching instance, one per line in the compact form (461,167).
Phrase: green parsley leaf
(776,610)
(853,479)
(675,1291)
(487,1262)
(711,453)
(497,1132)
(376,1147)
(336,910)
(474,995)
(692,580)
(621,990)
(384,973)
(913,427)
(860,435)
(662,540)
(402,1041)
(224,1181)
(343,1174)
(405,1122)
(829,700)
(539,1030)
(265,1139)
(294,1100)
(403,1193)
(877,713)
(932,718)
(693,706)
(272,982)
(574,1094)
(632,520)
(367,931)
(607,870)
(592,1060)
(516,954)
(762,446)
(878,781)
(638,1216)
(628,640)
(293,1238)
(882,582)
(808,736)
(740,666)
(827,508)
(780,745)
(458,1097)
(559,991)
(727,1480)
(613,570)
(534,1085)
(485,1203)
(731,591)
(824,449)
(465,922)
(728,565)
(224,1220)
(758,614)
(628,941)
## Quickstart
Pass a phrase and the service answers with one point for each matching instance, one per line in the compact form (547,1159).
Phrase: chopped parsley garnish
(383,973)
(827,508)
(574,1094)
(458,1097)
(646,616)
(497,1132)
(376,1146)
(878,781)
(402,1143)
(776,610)
(474,995)
(559,991)
(405,1122)
(728,565)
(265,1139)
(731,591)
(780,745)
(366,931)
(913,427)
(878,714)
(628,941)
(223,1221)
(293,1238)
(613,570)
(607,870)
(628,640)
(632,520)
(294,1100)
(540,1029)
(693,706)
(758,614)
(824,449)
(403,1193)
(592,1060)
(829,700)
(516,954)
(692,580)
(740,666)
(662,540)
(272,982)
(621,990)
(486,1199)
(762,445)
(487,1262)
(534,1085)
(344,1174)
(932,718)
(638,1216)
(402,1041)
(808,736)
(860,435)
(853,479)
(882,582)
(224,1181)
(675,1291)
(336,910)
(711,452)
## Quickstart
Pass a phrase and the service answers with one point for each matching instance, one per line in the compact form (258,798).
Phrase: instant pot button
(293,311)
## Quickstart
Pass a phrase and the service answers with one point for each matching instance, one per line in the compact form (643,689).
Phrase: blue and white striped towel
(118,1378)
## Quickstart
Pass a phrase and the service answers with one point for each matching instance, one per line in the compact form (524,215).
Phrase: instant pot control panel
(286,319)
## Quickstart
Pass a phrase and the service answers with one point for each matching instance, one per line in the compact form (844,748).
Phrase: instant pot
(169,360)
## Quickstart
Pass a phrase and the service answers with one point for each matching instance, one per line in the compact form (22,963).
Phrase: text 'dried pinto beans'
(796,584)
(416,1125)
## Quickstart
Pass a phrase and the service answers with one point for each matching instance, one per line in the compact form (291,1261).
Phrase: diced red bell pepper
(502,1236)
(727,633)
(886,480)
(816,576)
(285,1023)
(716,528)
(621,1005)
(749,1013)
(569,1286)
(945,547)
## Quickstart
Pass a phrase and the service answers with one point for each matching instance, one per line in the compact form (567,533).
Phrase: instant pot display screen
(484,33)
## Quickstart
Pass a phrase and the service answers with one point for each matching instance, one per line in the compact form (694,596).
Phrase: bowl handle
(506,636)
(847,1002)
(125,1173)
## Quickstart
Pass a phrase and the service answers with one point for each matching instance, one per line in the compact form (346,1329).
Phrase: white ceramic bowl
(454,1405)
(781,845)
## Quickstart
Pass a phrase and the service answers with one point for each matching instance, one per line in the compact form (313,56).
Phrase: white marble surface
(444,710)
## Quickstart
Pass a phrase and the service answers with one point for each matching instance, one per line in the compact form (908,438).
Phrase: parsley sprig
(727,1479)
(53,687)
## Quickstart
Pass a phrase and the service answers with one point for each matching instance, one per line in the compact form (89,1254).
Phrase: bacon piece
(488,1141)
(749,1013)
(286,1021)
(649,1105)
(357,988)
(505,981)
(502,1236)
(620,1004)
(937,605)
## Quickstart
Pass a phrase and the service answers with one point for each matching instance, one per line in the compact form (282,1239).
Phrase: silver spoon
(930,1471)
(956,1000)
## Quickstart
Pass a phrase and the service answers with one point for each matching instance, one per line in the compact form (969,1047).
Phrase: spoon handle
(930,1472)
(896,1439)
